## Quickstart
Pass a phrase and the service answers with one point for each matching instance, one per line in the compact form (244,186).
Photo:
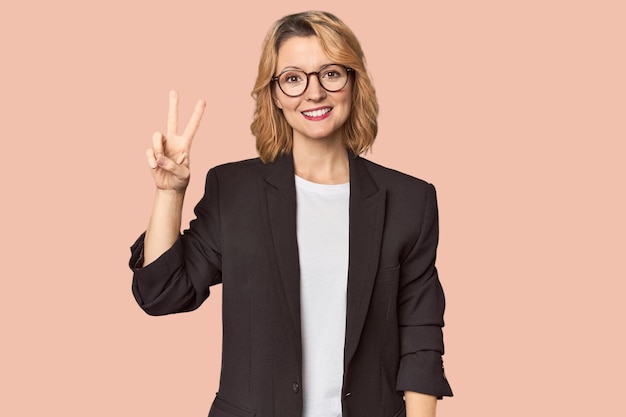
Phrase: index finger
(172,115)
(194,122)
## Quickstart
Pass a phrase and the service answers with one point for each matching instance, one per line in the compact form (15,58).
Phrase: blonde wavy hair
(274,136)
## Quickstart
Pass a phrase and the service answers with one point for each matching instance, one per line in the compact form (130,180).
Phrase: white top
(323,239)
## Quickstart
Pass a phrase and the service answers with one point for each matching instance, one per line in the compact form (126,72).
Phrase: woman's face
(317,114)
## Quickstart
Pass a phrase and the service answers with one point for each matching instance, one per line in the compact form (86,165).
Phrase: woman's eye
(331,74)
(292,78)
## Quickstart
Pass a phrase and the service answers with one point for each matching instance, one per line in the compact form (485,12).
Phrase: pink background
(516,111)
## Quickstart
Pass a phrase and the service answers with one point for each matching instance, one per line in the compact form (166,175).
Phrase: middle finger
(194,122)
(172,116)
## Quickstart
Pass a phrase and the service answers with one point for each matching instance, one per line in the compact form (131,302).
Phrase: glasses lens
(293,82)
(333,77)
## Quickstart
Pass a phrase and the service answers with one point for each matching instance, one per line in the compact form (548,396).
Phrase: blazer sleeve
(180,278)
(421,305)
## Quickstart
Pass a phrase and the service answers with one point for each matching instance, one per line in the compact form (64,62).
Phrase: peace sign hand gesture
(169,155)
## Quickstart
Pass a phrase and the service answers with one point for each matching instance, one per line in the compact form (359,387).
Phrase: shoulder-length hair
(274,136)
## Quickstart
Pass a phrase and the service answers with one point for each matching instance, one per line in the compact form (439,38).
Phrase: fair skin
(318,152)
(169,162)
(420,405)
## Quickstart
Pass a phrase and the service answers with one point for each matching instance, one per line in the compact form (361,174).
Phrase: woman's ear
(275,100)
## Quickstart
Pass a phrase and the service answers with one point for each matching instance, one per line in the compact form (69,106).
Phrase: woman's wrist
(172,196)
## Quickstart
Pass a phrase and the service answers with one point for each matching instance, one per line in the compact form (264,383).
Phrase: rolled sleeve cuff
(152,280)
(423,372)
(136,253)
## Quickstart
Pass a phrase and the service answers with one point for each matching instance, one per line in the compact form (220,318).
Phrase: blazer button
(295,387)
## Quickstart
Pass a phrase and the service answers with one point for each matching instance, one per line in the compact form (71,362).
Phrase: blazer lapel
(281,238)
(367,216)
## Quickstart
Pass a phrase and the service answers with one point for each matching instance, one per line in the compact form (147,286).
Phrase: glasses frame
(317,74)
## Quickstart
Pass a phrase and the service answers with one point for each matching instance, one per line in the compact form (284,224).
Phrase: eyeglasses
(332,77)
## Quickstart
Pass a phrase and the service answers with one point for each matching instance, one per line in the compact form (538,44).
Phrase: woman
(331,301)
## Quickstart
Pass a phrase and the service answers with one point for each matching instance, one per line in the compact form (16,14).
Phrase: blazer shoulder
(237,172)
(394,180)
(245,165)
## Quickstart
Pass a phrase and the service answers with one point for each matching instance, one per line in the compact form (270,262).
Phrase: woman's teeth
(316,113)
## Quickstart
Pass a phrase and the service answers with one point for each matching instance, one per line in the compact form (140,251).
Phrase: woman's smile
(319,113)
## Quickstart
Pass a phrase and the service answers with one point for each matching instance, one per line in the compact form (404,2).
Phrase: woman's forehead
(299,52)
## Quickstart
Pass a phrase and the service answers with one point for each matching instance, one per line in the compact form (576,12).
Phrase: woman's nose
(315,91)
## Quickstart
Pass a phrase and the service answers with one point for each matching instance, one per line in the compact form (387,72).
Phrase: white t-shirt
(323,240)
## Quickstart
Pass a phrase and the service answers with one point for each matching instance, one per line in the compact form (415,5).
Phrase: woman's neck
(321,162)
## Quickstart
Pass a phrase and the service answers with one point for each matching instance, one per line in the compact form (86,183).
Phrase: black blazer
(244,237)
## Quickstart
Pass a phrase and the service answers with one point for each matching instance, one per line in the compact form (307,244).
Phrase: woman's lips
(317,114)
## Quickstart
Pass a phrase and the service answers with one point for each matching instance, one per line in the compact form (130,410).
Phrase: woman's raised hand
(169,155)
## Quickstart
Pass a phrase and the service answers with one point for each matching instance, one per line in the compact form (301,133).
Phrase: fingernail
(152,164)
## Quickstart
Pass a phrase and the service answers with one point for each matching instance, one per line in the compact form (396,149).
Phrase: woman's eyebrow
(294,67)
(291,67)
